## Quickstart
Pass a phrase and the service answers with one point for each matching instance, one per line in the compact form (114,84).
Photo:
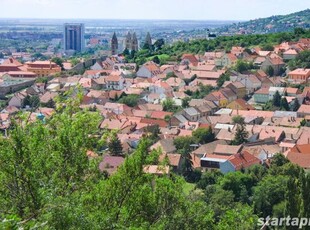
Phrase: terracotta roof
(227,149)
(160,114)
(156,169)
(174,159)
(300,71)
(110,163)
(243,160)
(304,109)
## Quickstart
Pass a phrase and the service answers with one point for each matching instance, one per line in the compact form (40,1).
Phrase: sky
(150,9)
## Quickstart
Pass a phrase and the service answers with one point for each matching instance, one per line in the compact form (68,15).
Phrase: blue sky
(150,9)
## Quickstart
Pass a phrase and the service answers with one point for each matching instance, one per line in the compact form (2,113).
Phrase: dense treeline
(48,182)
(199,46)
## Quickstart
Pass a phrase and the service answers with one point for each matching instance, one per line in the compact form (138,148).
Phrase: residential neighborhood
(176,99)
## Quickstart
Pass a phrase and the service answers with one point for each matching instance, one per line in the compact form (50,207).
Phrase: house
(115,82)
(238,88)
(251,82)
(299,75)
(229,94)
(18,99)
(220,98)
(110,163)
(239,161)
(292,92)
(289,54)
(48,97)
(240,104)
(148,70)
(300,155)
(189,59)
(175,82)
(228,59)
(191,114)
(303,110)
(276,63)
(165,145)
(261,96)
(175,160)
(232,163)
(227,149)
(273,90)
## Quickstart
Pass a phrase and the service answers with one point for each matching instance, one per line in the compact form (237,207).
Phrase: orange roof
(156,169)
(160,114)
(243,160)
(300,71)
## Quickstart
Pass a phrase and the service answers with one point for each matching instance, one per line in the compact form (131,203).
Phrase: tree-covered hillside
(278,23)
(163,53)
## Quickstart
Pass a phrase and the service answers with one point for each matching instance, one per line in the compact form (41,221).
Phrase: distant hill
(279,23)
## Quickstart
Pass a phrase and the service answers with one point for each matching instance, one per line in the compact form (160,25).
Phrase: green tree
(222,79)
(267,47)
(284,105)
(295,105)
(238,119)
(185,102)
(169,105)
(241,135)
(240,215)
(209,178)
(270,71)
(268,193)
(156,59)
(237,182)
(203,135)
(130,100)
(39,159)
(58,61)
(115,146)
(276,101)
(241,66)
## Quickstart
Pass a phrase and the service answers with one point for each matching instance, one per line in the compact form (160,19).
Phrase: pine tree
(241,135)
(276,99)
(296,105)
(284,105)
(115,146)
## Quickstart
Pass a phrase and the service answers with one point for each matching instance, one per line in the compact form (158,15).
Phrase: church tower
(114,45)
(134,42)
(148,40)
(128,41)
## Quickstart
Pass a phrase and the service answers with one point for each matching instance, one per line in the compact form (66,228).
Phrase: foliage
(242,66)
(241,135)
(32,101)
(115,145)
(185,102)
(267,47)
(270,71)
(284,105)
(276,101)
(130,100)
(302,60)
(295,105)
(238,119)
(58,61)
(203,135)
(222,79)
(169,105)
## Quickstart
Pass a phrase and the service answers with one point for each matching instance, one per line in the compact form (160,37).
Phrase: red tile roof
(243,160)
